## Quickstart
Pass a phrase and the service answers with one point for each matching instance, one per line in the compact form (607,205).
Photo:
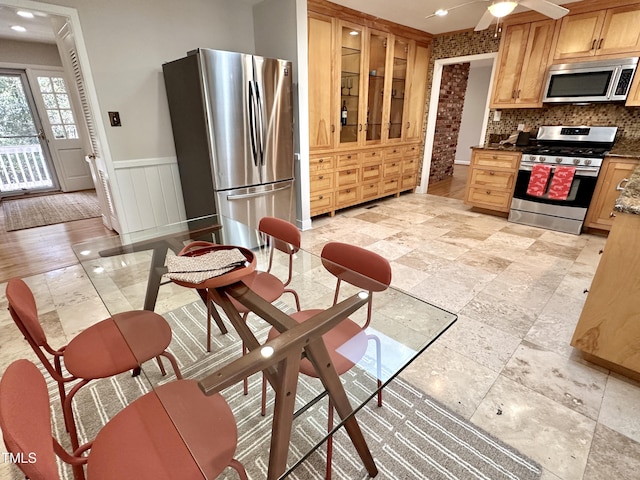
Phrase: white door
(62,132)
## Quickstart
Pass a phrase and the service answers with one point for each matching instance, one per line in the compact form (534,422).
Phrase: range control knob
(532,158)
(543,159)
(576,161)
(587,161)
(558,159)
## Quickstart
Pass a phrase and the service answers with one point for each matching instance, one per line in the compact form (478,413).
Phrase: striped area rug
(411,436)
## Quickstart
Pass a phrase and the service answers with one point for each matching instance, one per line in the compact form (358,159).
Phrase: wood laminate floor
(454,186)
(41,249)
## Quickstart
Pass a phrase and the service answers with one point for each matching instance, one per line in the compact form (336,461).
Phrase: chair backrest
(25,420)
(24,311)
(355,265)
(286,236)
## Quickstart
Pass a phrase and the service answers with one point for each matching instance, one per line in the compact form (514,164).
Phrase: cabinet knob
(348,190)
(321,177)
(349,156)
(348,172)
(488,192)
(495,157)
(491,172)
(612,215)
(321,160)
(321,197)
(373,154)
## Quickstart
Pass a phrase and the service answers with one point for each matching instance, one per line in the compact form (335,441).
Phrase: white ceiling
(39,28)
(412,13)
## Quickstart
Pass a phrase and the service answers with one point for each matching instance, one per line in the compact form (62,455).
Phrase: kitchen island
(608,331)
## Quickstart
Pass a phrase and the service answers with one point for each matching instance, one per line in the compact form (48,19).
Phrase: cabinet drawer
(391,168)
(321,181)
(492,178)
(349,176)
(488,198)
(409,165)
(322,201)
(407,181)
(411,151)
(395,152)
(496,159)
(347,196)
(325,162)
(371,156)
(370,190)
(348,159)
(371,172)
(390,185)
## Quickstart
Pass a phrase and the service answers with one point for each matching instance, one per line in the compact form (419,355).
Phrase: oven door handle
(582,172)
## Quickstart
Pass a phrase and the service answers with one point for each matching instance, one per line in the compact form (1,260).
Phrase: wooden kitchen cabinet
(523,57)
(602,32)
(611,180)
(376,73)
(322,126)
(608,329)
(491,179)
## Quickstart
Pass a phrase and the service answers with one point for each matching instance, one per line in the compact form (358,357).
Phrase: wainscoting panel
(150,192)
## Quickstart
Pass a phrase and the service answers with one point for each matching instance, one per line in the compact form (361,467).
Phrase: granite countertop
(498,146)
(626,147)
(629,199)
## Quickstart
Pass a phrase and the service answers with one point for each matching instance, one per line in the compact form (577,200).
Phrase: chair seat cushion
(265,285)
(143,442)
(346,342)
(101,350)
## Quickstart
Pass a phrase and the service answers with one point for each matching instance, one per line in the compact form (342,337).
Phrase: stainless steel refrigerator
(232,120)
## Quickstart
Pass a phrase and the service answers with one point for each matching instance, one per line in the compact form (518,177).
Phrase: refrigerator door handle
(259,126)
(252,126)
(255,194)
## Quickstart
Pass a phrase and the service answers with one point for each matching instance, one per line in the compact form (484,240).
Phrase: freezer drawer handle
(256,194)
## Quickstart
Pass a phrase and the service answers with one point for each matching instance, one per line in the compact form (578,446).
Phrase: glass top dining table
(129,273)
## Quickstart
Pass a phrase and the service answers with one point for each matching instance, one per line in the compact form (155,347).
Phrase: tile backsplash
(605,114)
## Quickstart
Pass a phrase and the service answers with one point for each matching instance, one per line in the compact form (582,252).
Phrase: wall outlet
(520,127)
(496,115)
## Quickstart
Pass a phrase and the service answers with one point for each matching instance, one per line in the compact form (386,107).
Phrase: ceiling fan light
(502,8)
(441,12)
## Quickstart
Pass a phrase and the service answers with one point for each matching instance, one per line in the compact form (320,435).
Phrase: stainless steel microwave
(597,81)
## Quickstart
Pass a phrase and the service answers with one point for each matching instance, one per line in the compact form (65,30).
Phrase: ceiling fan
(502,8)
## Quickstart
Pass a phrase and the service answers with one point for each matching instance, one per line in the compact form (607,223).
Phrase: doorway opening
(458,117)
(25,159)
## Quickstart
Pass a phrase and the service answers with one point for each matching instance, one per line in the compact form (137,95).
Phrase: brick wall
(450,104)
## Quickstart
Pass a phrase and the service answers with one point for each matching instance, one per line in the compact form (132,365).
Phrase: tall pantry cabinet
(367,94)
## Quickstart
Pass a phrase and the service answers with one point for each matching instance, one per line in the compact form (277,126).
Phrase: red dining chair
(347,342)
(99,351)
(279,235)
(144,441)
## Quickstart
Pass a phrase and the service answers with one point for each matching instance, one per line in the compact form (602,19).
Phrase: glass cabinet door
(376,81)
(398,86)
(350,83)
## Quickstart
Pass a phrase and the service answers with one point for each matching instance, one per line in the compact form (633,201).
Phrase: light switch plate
(114,119)
(496,115)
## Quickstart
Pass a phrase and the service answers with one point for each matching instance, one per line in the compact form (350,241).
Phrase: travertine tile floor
(506,364)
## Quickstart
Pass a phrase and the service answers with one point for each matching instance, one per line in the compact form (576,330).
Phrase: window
(58,106)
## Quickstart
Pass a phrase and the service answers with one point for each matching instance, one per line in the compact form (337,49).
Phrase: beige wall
(127,43)
(29,53)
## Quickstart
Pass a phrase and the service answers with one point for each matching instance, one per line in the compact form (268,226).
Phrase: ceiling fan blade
(485,21)
(546,8)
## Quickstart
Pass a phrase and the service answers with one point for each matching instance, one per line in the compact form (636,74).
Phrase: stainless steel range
(557,177)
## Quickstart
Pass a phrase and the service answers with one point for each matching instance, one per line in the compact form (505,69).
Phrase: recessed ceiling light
(441,12)
(18,28)
(24,14)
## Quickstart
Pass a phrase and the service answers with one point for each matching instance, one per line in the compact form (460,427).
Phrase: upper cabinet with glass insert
(351,60)
(398,88)
(376,105)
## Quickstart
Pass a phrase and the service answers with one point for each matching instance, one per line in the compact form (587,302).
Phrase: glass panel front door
(24,157)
